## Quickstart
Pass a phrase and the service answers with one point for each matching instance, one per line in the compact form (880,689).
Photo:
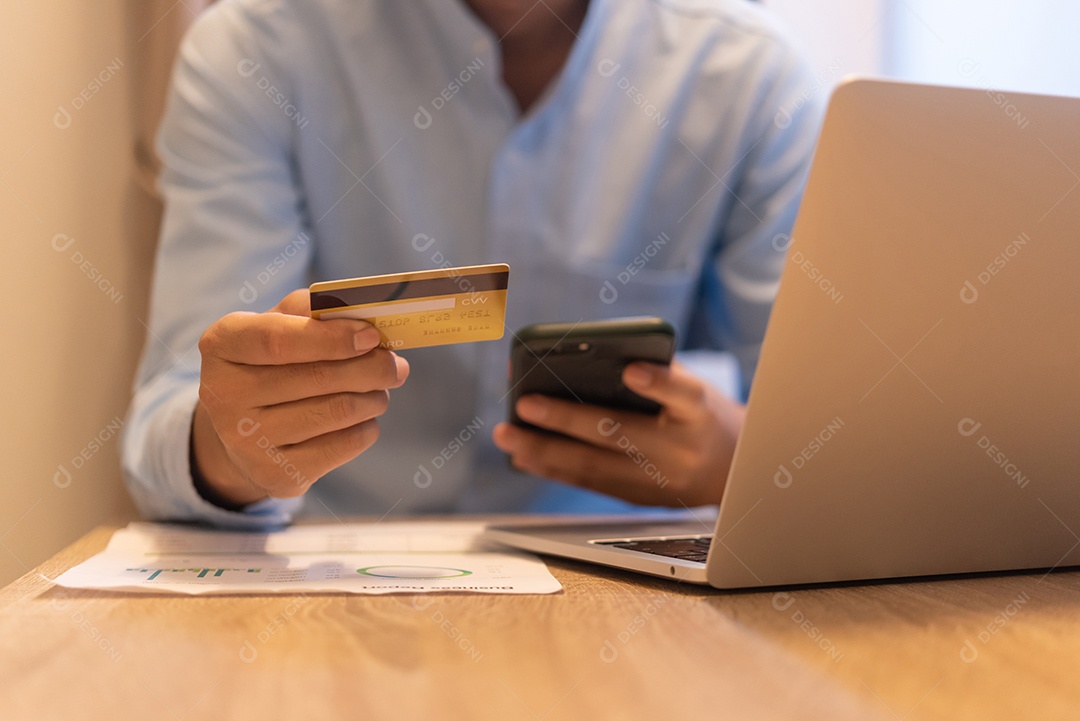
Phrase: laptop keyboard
(685,549)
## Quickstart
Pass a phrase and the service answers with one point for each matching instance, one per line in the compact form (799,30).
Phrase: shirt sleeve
(784,105)
(233,237)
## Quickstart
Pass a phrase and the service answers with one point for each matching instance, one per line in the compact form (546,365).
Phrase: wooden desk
(613,645)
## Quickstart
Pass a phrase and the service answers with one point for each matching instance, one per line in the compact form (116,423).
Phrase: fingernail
(365,340)
(402,368)
(532,408)
(504,438)
(637,375)
(526,466)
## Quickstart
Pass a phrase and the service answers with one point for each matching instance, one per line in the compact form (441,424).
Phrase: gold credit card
(422,308)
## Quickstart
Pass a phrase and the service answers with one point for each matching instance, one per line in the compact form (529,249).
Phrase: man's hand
(680,457)
(284,399)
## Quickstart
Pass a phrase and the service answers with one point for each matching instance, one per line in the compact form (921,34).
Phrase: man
(625,157)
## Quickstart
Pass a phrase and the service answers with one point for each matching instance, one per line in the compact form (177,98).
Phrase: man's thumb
(296,303)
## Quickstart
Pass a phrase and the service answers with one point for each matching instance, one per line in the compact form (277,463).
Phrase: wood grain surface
(612,645)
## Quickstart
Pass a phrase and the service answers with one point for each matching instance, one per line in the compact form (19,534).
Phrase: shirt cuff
(160,477)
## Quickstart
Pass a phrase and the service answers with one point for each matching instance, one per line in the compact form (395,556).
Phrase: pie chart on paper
(413,572)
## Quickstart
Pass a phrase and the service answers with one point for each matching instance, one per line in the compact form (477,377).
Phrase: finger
(598,426)
(683,395)
(288,471)
(261,386)
(296,303)
(628,474)
(299,421)
(266,339)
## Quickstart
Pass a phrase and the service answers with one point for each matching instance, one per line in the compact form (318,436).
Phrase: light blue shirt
(323,139)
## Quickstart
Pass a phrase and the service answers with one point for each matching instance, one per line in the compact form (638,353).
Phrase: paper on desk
(375,558)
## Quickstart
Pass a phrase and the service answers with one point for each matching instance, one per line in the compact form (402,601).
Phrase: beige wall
(70,340)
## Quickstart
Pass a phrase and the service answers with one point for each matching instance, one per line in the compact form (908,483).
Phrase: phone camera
(568,348)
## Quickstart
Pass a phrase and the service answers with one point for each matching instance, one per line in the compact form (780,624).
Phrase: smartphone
(584,361)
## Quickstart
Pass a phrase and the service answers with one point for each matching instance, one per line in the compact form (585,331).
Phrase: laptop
(916,408)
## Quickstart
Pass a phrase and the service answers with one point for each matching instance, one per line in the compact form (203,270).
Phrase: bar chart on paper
(349,558)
